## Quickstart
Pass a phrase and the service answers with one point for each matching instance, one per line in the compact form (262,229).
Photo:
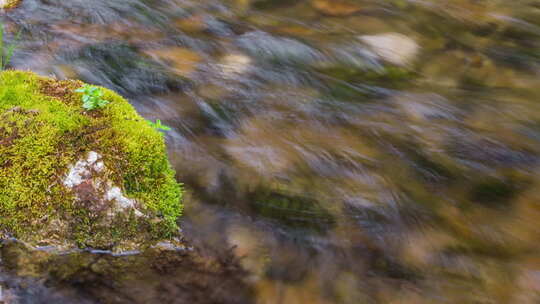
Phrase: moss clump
(44,131)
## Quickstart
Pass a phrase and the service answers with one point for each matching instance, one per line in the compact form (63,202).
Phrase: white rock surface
(395,48)
(234,64)
(115,194)
(86,181)
(82,170)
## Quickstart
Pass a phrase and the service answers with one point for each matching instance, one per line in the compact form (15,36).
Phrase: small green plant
(6,50)
(158,125)
(92,97)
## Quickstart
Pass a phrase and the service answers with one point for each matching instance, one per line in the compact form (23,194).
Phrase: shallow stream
(356,151)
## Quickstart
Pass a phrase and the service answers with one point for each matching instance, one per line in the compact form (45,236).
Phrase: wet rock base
(157,275)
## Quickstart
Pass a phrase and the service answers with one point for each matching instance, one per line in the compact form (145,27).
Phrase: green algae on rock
(70,177)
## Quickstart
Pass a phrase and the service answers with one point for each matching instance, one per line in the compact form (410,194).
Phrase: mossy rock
(69,177)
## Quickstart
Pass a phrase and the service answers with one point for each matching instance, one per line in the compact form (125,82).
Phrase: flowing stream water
(359,151)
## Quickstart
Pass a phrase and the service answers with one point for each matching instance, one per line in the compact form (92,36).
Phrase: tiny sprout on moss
(92,97)
(158,125)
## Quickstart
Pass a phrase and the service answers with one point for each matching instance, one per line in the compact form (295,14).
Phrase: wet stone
(336,8)
(395,48)
(264,45)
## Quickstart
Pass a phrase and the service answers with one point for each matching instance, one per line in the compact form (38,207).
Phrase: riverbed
(334,151)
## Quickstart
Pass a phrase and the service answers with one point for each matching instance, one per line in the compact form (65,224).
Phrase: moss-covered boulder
(69,176)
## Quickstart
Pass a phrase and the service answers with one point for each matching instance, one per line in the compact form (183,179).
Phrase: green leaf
(92,97)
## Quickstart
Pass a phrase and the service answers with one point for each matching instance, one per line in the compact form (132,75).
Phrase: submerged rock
(71,177)
(284,50)
(234,64)
(395,48)
(336,8)
(182,61)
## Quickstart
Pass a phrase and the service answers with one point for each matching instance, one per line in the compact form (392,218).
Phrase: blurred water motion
(347,151)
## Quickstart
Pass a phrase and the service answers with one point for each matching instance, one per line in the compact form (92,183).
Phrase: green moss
(44,130)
